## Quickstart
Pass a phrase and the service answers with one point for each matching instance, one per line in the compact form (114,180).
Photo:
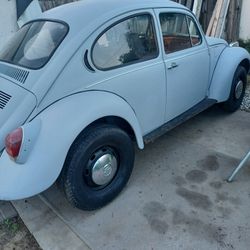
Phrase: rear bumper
(19,181)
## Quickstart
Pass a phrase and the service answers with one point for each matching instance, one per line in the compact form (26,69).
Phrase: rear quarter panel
(59,125)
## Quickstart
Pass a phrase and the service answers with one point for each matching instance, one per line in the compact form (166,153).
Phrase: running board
(201,106)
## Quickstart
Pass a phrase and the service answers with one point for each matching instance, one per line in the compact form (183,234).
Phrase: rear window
(34,44)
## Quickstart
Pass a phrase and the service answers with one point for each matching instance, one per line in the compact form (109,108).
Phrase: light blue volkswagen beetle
(82,83)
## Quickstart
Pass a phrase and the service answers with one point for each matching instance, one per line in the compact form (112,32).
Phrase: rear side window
(179,32)
(130,41)
(34,44)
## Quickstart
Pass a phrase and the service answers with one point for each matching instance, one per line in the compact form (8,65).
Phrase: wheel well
(112,120)
(119,122)
(246,64)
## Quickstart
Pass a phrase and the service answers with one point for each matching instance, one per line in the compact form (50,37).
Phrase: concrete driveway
(177,197)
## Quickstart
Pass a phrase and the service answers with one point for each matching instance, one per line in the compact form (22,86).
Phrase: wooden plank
(230,21)
(209,29)
(217,10)
(237,21)
(197,4)
(206,13)
(48,4)
(233,20)
(223,16)
(219,22)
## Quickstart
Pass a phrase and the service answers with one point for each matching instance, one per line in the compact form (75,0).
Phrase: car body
(142,67)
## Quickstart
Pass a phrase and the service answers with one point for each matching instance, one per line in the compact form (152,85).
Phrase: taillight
(13,142)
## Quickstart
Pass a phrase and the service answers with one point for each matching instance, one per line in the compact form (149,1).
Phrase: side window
(129,41)
(179,32)
(194,32)
(175,32)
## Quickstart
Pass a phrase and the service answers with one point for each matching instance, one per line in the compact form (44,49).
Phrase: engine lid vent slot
(4,99)
(19,75)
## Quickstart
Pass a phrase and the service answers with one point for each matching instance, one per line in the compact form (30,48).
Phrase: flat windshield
(34,44)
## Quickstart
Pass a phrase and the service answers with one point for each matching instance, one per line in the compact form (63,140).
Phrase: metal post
(230,179)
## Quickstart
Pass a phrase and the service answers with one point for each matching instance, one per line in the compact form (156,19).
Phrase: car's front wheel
(97,167)
(237,90)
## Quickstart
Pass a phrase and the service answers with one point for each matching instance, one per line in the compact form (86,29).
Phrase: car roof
(83,13)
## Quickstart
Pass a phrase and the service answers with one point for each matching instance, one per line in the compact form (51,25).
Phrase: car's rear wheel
(98,166)
(237,90)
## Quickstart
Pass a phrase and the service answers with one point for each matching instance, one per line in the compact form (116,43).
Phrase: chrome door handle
(173,65)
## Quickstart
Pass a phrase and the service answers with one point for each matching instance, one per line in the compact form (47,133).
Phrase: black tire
(233,103)
(77,178)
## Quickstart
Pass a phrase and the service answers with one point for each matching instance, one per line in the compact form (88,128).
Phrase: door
(128,63)
(187,60)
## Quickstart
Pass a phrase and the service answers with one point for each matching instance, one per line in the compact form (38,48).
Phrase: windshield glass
(34,44)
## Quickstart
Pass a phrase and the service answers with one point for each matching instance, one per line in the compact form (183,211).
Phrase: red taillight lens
(13,142)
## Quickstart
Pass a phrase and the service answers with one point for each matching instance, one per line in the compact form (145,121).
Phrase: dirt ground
(15,236)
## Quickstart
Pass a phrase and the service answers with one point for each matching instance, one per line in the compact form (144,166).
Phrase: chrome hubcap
(104,169)
(239,89)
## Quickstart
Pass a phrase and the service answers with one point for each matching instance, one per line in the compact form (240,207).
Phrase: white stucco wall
(245,20)
(8,22)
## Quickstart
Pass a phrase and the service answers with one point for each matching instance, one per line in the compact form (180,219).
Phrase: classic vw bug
(86,81)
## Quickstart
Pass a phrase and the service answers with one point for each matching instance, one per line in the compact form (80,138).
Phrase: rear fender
(57,127)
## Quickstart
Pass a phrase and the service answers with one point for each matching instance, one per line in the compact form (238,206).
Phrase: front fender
(59,125)
(224,71)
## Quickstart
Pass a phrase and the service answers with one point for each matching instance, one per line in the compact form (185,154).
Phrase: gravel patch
(15,236)
(246,101)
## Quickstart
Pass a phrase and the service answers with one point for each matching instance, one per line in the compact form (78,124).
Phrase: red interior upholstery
(176,43)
